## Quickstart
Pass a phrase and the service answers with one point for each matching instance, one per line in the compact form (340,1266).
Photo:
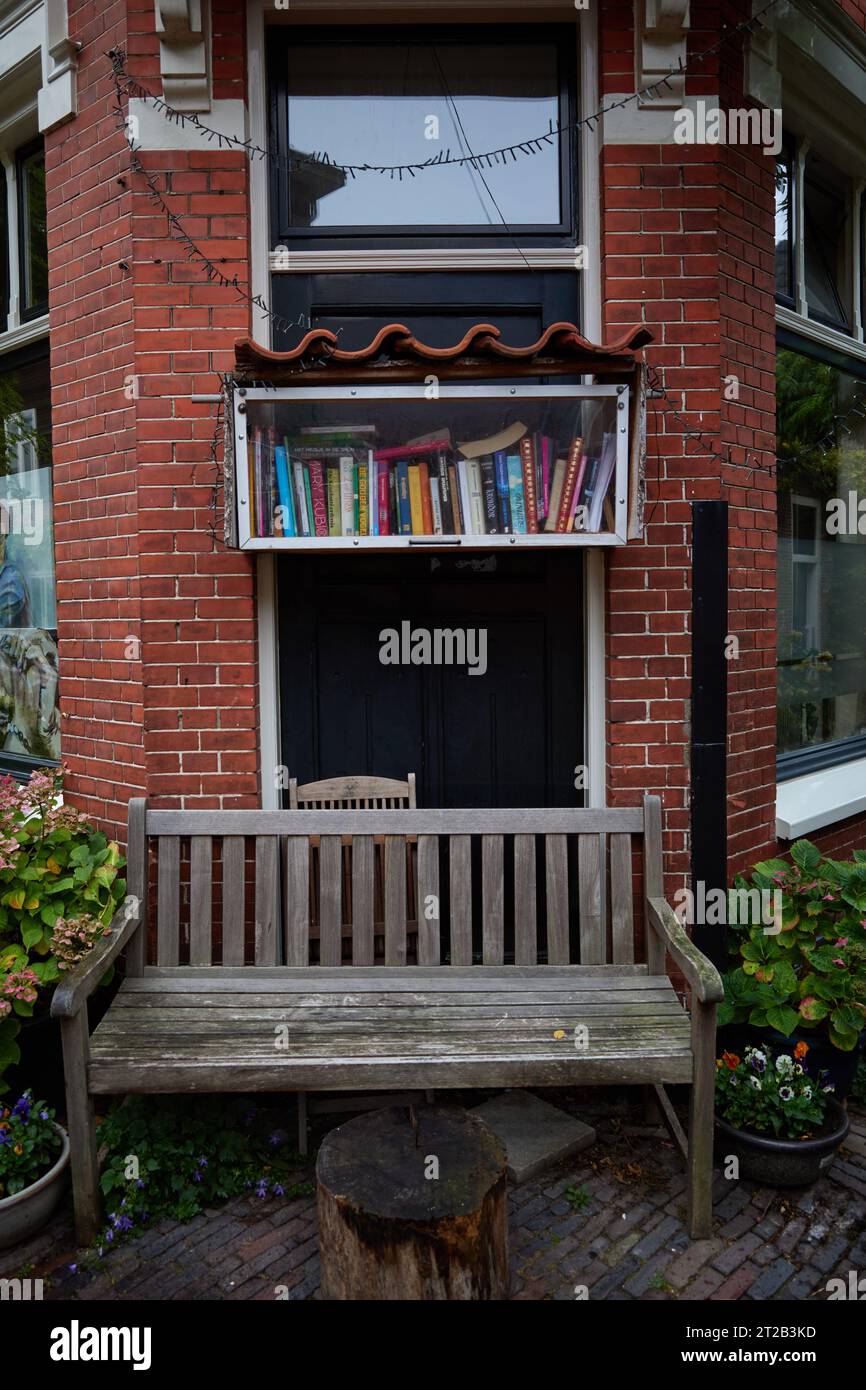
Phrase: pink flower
(829,897)
(837,961)
(841,941)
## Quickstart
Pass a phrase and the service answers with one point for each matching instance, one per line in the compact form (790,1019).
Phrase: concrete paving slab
(535,1133)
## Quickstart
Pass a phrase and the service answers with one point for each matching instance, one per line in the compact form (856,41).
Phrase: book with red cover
(569,484)
(402,451)
(527,462)
(317,491)
(383,482)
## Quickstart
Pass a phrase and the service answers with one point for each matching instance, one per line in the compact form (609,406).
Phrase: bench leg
(700,1158)
(82,1127)
(303,1137)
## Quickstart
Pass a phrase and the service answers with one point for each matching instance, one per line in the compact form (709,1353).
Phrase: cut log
(412,1206)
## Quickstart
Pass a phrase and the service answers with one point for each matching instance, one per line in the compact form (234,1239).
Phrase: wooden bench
(220,994)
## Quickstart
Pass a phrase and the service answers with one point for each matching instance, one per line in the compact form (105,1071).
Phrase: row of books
(508,484)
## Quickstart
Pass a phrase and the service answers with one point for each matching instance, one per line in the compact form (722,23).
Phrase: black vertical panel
(709,710)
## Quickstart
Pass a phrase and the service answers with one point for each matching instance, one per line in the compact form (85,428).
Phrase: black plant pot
(821,1057)
(783,1162)
(41,1066)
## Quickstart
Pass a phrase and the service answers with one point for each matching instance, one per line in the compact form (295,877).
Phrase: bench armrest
(700,972)
(79,983)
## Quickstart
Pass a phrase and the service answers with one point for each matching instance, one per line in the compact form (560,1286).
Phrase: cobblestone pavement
(611,1219)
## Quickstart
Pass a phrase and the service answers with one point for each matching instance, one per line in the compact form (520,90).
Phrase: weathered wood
(296,909)
(395,900)
(556,878)
(78,984)
(525,923)
(429,936)
(137,881)
(353,791)
(621,900)
(81,1124)
(543,820)
(201,900)
(266,900)
(233,900)
(460,874)
(492,885)
(389,1231)
(653,879)
(700,972)
(330,900)
(592,944)
(363,897)
(701,1100)
(168,901)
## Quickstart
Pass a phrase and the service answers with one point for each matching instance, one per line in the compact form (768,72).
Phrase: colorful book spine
(569,484)
(426,503)
(332,493)
(347,496)
(356,499)
(476,497)
(435,504)
(317,490)
(457,513)
(503,499)
(251,480)
(404,504)
(464,479)
(259,485)
(515,494)
(301,497)
(445,497)
(284,491)
(556,481)
(308,494)
(383,480)
(488,494)
(363,499)
(407,451)
(546,464)
(527,461)
(373,492)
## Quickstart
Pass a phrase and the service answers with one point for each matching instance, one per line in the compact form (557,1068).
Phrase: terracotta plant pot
(28,1210)
(784,1162)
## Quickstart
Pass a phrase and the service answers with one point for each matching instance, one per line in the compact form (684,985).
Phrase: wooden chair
(353,793)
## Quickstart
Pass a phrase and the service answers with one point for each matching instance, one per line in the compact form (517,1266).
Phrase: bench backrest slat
(434,887)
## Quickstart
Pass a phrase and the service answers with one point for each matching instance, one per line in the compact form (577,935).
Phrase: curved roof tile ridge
(320,348)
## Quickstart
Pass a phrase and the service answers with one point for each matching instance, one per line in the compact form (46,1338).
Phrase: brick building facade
(167,663)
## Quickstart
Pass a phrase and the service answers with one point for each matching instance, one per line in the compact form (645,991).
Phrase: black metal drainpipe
(709,714)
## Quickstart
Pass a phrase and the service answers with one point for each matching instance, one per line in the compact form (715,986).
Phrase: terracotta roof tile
(479,349)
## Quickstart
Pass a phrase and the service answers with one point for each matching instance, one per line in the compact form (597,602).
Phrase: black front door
(510,736)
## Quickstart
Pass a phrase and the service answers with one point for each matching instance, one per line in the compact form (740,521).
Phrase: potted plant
(59,888)
(800,973)
(776,1116)
(34,1157)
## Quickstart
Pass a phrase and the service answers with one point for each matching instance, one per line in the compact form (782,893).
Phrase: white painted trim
(289,262)
(154,131)
(20,37)
(25,333)
(819,333)
(269,686)
(820,798)
(646,125)
(260,282)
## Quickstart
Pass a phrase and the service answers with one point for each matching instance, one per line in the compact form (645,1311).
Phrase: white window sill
(25,333)
(820,798)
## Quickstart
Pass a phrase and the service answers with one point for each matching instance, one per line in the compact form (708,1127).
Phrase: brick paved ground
(622,1235)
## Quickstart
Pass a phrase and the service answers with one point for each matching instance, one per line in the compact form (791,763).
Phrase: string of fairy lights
(126,86)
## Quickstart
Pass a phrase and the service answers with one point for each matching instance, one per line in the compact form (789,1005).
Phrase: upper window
(826,254)
(785,226)
(407,97)
(32,231)
(821,561)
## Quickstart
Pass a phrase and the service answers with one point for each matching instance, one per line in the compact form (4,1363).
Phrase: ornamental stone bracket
(58,95)
(661,27)
(184,53)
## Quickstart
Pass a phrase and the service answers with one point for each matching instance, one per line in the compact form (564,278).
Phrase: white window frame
(586,31)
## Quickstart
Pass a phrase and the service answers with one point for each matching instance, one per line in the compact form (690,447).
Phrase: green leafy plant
(60,886)
(578,1198)
(172,1156)
(808,969)
(768,1094)
(858,1088)
(29,1144)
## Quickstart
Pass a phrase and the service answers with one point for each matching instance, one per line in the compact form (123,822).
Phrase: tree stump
(412,1206)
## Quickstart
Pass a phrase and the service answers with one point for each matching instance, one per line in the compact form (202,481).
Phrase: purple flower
(22,1107)
(43,1115)
(278,1190)
(202,1163)
(140,1184)
(73,1269)
(275,1140)
(196,1177)
(261,1188)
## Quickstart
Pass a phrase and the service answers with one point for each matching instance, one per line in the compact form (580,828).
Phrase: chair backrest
(490,886)
(353,794)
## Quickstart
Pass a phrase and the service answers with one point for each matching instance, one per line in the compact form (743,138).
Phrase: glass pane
(395,104)
(784,276)
(35,248)
(392,467)
(29,711)
(822,554)
(4,252)
(826,214)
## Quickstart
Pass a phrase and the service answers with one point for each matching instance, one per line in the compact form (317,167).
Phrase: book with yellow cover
(415,503)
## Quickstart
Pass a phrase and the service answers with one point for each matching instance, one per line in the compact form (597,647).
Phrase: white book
(602,482)
(465,505)
(347,495)
(436,505)
(301,498)
(476,498)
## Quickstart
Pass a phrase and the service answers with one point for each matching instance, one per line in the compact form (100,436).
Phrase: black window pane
(385,104)
(4,253)
(826,214)
(34,247)
(821,553)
